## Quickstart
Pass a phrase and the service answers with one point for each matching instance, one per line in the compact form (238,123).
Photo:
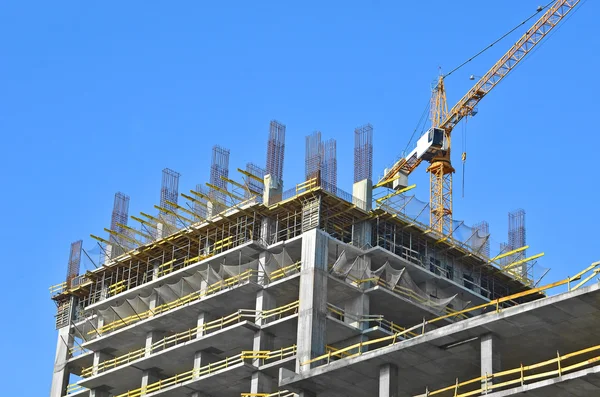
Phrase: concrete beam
(388,380)
(312,313)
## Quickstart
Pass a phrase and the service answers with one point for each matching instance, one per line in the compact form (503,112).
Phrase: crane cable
(539,9)
(421,121)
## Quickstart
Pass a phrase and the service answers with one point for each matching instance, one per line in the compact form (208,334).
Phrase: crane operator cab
(429,144)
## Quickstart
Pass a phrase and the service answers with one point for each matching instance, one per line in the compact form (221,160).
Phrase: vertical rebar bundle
(169,191)
(329,168)
(120,214)
(254,185)
(74,262)
(314,155)
(483,228)
(199,205)
(516,232)
(276,150)
(363,153)
(219,166)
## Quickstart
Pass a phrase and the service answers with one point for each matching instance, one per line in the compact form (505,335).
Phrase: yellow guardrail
(285,271)
(74,388)
(357,348)
(188,335)
(194,296)
(370,319)
(58,288)
(77,350)
(306,185)
(211,368)
(519,376)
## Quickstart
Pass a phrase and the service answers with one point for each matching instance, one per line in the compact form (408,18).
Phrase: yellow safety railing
(357,348)
(77,350)
(518,376)
(369,319)
(188,335)
(210,369)
(117,287)
(58,288)
(74,388)
(306,185)
(280,393)
(194,296)
(285,271)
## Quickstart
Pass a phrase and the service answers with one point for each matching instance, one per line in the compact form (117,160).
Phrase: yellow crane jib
(434,146)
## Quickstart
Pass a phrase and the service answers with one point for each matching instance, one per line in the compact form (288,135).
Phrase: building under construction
(247,289)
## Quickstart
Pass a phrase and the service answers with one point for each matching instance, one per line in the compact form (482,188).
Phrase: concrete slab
(398,309)
(582,383)
(227,382)
(77,363)
(425,360)
(179,319)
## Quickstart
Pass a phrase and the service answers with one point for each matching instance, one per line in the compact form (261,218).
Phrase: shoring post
(569,283)
(522,375)
(558,361)
(485,382)
(456,388)
(423,329)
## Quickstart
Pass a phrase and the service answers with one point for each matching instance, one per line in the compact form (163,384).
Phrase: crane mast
(440,168)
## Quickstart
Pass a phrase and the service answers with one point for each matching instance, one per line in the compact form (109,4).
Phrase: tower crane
(435,144)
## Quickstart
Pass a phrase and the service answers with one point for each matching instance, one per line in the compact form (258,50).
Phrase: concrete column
(356,309)
(202,358)
(388,380)
(149,376)
(264,301)
(261,383)
(263,277)
(99,392)
(363,191)
(273,190)
(99,358)
(60,377)
(107,253)
(490,356)
(262,341)
(312,313)
(159,230)
(151,338)
(202,319)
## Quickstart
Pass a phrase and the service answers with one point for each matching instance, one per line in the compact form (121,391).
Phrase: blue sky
(99,98)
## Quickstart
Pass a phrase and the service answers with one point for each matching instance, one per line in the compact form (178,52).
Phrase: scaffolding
(363,153)
(276,150)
